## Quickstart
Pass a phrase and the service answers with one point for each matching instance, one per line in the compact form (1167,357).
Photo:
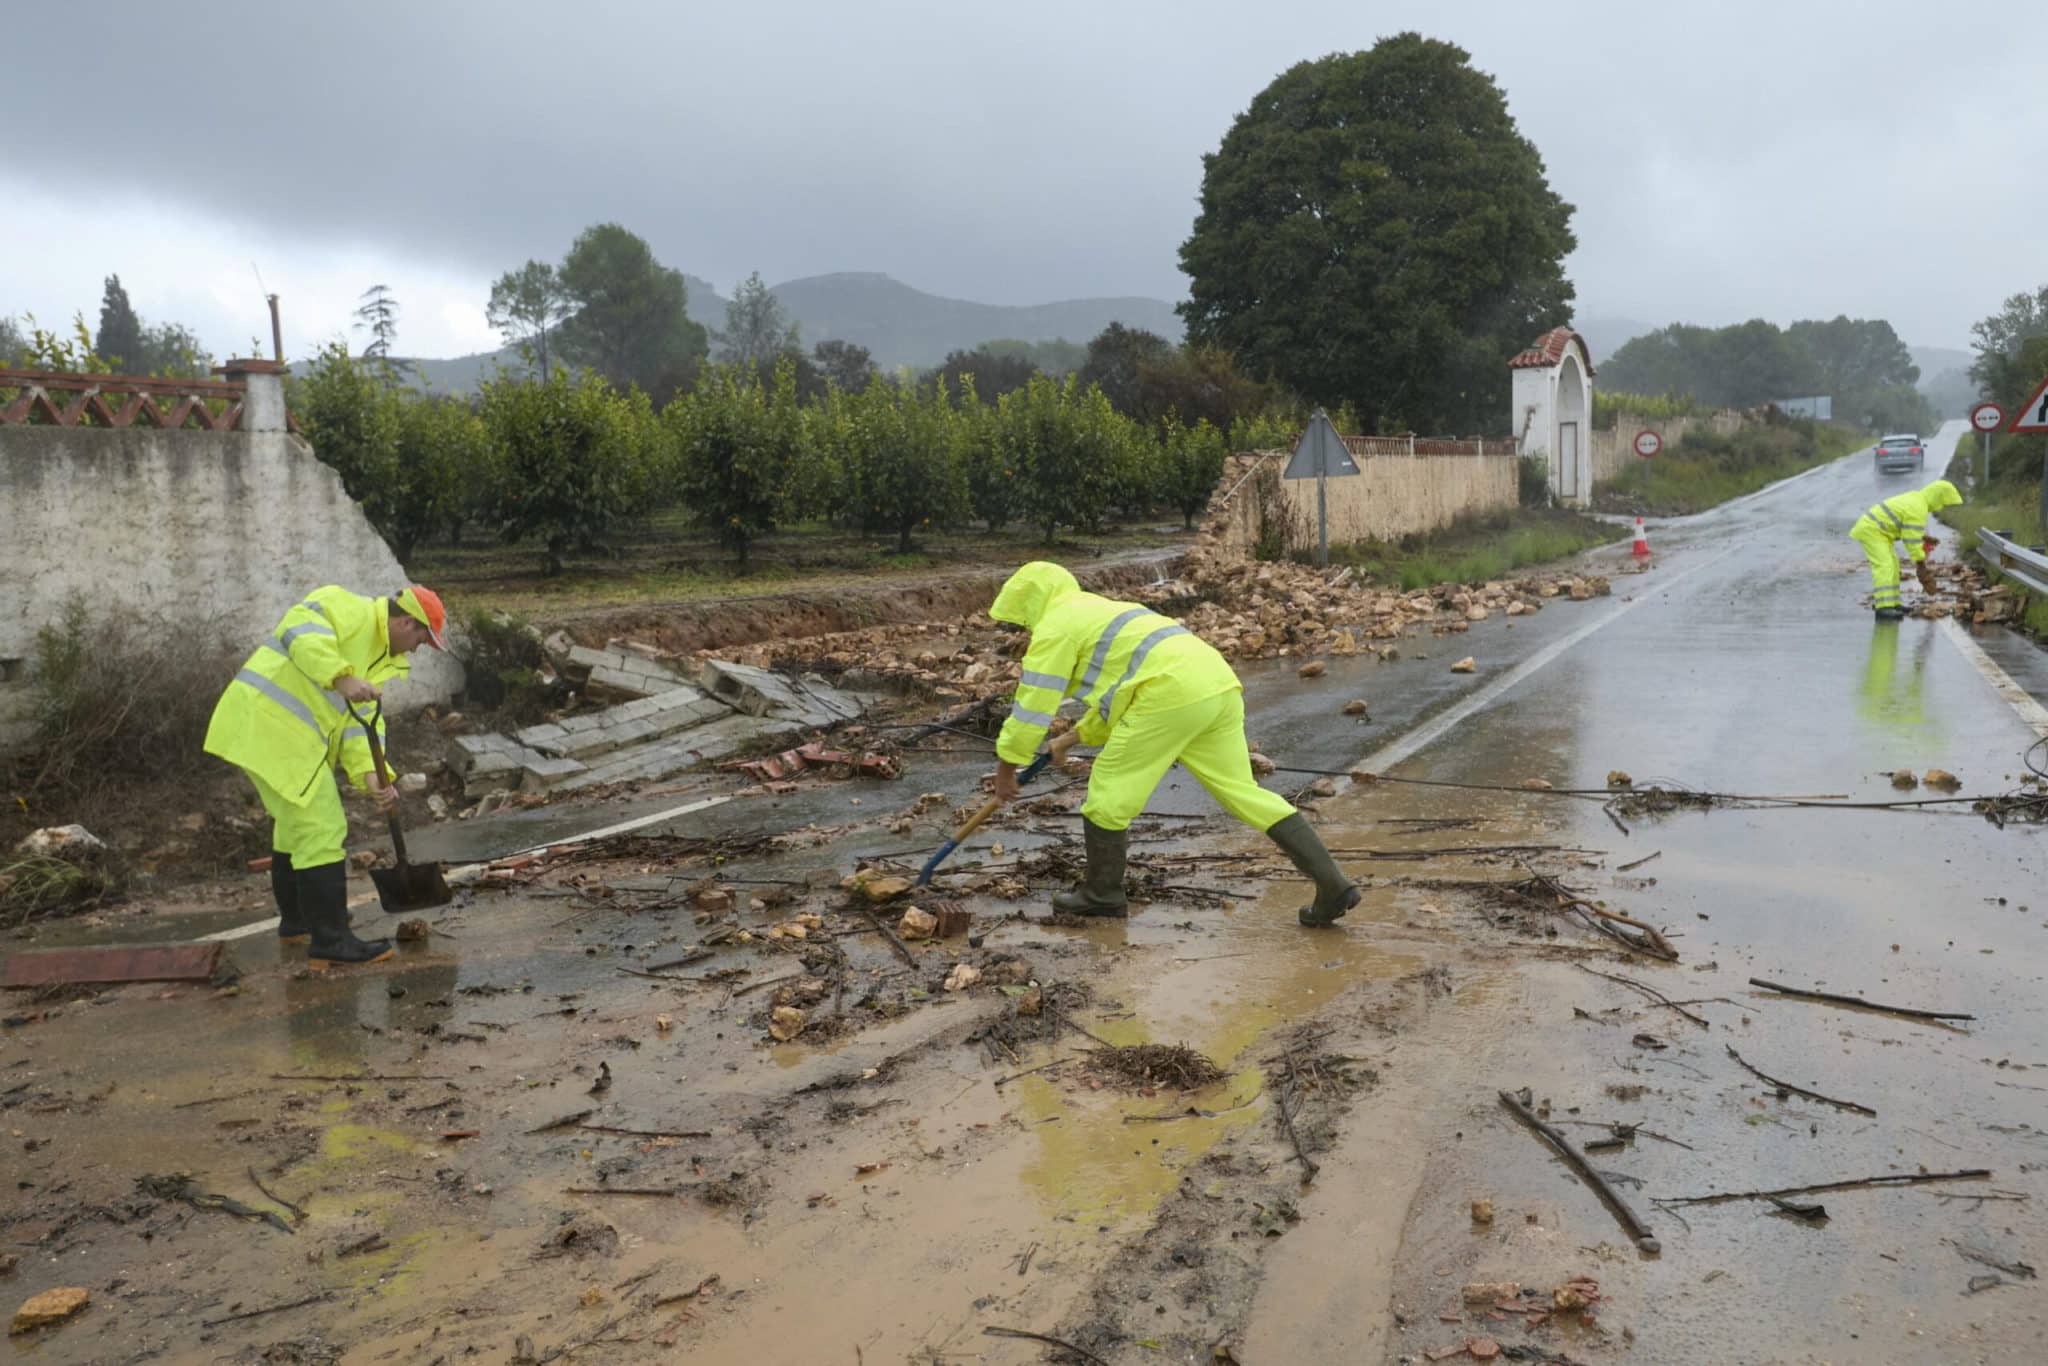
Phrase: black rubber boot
(323,900)
(1101,890)
(284,889)
(1891,614)
(1335,893)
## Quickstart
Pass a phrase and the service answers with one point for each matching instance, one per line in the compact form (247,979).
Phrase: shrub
(502,658)
(1532,481)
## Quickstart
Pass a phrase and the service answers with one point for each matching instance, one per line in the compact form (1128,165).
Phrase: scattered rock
(1482,1210)
(962,977)
(917,923)
(1535,785)
(437,806)
(952,920)
(1315,668)
(50,1308)
(1475,613)
(786,1022)
(1355,707)
(412,782)
(1491,1292)
(1322,787)
(1262,767)
(717,900)
(69,842)
(363,858)
(1465,666)
(1616,778)
(1483,1349)
(8,1261)
(664,1023)
(1941,778)
(411,932)
(882,888)
(1904,779)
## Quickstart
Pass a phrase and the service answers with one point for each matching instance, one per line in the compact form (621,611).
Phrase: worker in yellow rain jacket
(285,721)
(1901,517)
(1155,692)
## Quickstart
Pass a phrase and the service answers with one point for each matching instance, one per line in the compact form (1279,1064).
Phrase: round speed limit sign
(1648,443)
(1987,417)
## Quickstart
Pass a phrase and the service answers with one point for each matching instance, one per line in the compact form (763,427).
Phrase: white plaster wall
(222,530)
(1532,389)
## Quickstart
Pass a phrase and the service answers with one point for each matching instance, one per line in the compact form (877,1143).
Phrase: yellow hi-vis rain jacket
(1904,516)
(278,718)
(1100,651)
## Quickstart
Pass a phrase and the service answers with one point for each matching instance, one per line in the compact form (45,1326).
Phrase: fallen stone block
(118,963)
(48,1309)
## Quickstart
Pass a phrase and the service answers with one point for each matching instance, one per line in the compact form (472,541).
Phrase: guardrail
(2025,564)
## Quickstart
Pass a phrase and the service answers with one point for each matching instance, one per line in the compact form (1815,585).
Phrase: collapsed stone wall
(212,533)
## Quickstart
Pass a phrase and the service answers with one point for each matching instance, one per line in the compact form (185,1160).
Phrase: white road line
(2031,713)
(1429,732)
(623,827)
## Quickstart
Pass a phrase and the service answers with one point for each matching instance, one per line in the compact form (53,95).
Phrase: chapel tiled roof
(1548,349)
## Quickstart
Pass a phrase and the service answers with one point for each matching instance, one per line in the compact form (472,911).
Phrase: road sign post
(2033,417)
(1986,418)
(1648,443)
(1321,454)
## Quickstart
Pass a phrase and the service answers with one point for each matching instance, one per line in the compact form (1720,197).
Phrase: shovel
(409,886)
(1057,750)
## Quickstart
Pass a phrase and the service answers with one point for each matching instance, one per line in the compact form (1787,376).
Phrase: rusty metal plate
(114,963)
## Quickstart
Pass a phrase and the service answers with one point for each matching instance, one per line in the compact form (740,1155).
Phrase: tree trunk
(903,539)
(554,556)
(455,532)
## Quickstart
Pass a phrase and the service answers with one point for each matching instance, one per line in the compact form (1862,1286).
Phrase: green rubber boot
(1101,891)
(323,901)
(1335,893)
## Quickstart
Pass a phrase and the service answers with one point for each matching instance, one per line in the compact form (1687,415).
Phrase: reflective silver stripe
(312,606)
(1033,679)
(334,699)
(1102,644)
(1879,512)
(284,699)
(355,732)
(304,628)
(1137,658)
(1029,717)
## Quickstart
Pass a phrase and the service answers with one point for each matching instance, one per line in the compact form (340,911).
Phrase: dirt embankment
(683,628)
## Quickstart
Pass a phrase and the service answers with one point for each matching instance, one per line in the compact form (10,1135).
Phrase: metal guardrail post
(2025,565)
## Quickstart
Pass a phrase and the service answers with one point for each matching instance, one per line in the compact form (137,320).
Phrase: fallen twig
(1857,1001)
(995,1332)
(360,1076)
(1798,1090)
(1004,1081)
(1903,1179)
(214,1100)
(1308,1164)
(273,1309)
(564,1122)
(1629,867)
(768,982)
(296,1212)
(659,976)
(1636,1228)
(902,950)
(1655,995)
(374,1243)
(645,1133)
(630,1190)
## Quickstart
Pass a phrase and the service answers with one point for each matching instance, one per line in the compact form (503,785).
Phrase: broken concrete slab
(619,674)
(762,692)
(594,733)
(118,963)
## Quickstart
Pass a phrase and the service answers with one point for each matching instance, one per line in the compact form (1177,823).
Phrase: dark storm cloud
(1726,161)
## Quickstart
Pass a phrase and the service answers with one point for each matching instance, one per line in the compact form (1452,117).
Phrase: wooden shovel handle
(1056,751)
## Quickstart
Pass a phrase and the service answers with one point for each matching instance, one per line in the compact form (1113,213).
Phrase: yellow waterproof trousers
(1207,737)
(1884,561)
(312,834)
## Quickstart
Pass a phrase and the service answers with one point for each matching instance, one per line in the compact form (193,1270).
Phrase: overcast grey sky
(1882,158)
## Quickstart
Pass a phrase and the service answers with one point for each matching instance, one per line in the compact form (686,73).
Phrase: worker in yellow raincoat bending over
(284,720)
(1901,517)
(1155,692)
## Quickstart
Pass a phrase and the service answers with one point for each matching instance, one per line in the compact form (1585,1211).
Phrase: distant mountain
(1606,335)
(898,325)
(1936,360)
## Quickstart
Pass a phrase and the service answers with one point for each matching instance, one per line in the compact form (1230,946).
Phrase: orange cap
(423,605)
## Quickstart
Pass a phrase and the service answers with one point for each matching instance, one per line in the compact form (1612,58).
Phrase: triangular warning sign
(1320,451)
(2033,414)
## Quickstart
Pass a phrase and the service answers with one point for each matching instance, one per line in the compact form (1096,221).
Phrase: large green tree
(1375,230)
(629,323)
(758,328)
(737,447)
(526,307)
(1115,356)
(1999,342)
(569,457)
(119,339)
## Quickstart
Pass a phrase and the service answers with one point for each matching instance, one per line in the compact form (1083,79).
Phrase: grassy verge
(2011,504)
(1704,470)
(1478,549)
(663,559)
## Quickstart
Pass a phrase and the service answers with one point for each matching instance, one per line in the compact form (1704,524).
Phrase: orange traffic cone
(1641,547)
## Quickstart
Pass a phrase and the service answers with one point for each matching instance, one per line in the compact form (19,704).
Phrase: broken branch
(1798,1090)
(273,1309)
(1903,1179)
(1858,1002)
(1636,1228)
(995,1332)
(902,950)
(1655,995)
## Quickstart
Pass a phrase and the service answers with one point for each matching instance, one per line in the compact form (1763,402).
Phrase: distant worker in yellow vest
(284,720)
(1155,693)
(1903,517)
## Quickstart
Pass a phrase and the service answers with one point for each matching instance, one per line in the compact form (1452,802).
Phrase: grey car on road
(1900,452)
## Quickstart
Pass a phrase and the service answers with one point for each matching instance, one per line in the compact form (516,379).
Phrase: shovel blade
(411,887)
